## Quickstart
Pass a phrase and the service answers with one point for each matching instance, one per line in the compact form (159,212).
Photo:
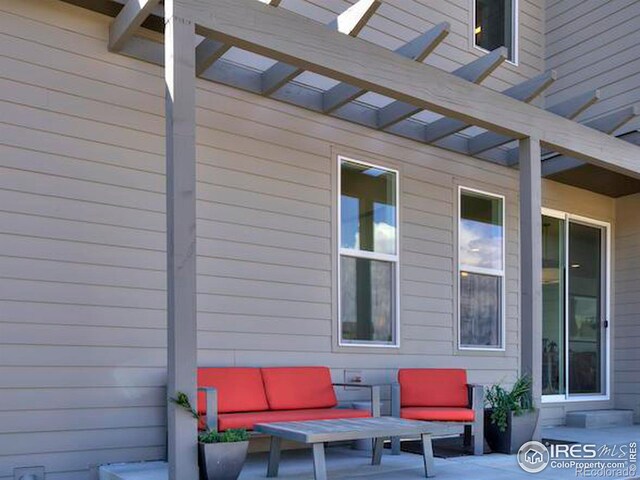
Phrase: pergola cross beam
(417,49)
(350,22)
(475,72)
(132,15)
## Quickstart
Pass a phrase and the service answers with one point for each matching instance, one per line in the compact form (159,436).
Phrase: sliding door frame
(606,344)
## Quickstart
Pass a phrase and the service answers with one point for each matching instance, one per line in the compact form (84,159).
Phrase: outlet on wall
(353,376)
(28,473)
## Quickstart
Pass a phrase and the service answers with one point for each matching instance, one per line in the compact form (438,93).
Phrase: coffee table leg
(319,464)
(427,455)
(274,457)
(378,445)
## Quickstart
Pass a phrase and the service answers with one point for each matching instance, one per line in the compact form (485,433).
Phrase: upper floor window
(481,270)
(495,25)
(368,254)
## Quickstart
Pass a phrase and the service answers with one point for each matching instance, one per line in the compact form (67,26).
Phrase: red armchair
(440,395)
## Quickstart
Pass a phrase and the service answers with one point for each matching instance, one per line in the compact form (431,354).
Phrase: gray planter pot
(221,461)
(519,430)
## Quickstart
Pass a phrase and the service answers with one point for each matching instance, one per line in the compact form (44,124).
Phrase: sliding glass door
(574,294)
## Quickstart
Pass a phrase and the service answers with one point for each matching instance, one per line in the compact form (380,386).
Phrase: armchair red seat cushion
(438,414)
(249,419)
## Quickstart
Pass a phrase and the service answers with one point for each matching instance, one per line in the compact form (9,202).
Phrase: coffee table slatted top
(317,431)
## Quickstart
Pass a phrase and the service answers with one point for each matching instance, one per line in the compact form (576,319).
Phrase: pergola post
(181,238)
(531,266)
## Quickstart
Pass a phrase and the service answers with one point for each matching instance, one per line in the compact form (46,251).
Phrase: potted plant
(221,455)
(511,417)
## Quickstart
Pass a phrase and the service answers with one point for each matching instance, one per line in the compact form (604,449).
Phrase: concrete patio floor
(344,463)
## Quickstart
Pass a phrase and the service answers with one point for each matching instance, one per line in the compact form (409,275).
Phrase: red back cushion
(239,389)
(292,388)
(433,387)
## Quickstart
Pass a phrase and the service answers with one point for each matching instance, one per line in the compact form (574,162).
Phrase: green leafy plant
(501,401)
(209,436)
(228,436)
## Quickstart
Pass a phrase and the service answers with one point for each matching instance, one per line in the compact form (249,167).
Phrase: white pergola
(299,44)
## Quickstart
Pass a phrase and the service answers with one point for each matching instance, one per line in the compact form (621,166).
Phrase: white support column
(181,238)
(531,266)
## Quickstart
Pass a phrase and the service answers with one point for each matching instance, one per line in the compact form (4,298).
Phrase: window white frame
(394,259)
(485,271)
(515,31)
(606,395)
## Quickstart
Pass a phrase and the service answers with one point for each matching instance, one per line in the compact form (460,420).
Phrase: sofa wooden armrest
(375,395)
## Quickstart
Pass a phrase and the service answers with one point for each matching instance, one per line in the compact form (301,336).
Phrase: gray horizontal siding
(627,328)
(593,44)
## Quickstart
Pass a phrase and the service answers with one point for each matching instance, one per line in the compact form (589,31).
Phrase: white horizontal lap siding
(82,262)
(593,44)
(627,326)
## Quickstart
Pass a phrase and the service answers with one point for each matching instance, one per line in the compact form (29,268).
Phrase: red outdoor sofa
(440,395)
(236,397)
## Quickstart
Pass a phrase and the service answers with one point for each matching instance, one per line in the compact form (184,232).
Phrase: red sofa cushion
(435,414)
(248,420)
(297,388)
(433,387)
(239,389)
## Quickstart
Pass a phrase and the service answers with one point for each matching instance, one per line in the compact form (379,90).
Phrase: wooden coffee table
(318,432)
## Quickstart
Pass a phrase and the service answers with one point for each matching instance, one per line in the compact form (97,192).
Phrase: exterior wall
(573,200)
(627,333)
(82,239)
(594,44)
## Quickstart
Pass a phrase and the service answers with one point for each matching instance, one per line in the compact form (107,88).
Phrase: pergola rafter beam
(607,124)
(474,72)
(417,49)
(570,108)
(132,15)
(525,91)
(209,51)
(350,22)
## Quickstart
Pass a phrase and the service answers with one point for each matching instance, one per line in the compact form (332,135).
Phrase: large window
(495,25)
(481,270)
(368,254)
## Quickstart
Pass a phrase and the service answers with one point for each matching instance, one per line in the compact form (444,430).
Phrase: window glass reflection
(481,231)
(368,208)
(480,310)
(366,302)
